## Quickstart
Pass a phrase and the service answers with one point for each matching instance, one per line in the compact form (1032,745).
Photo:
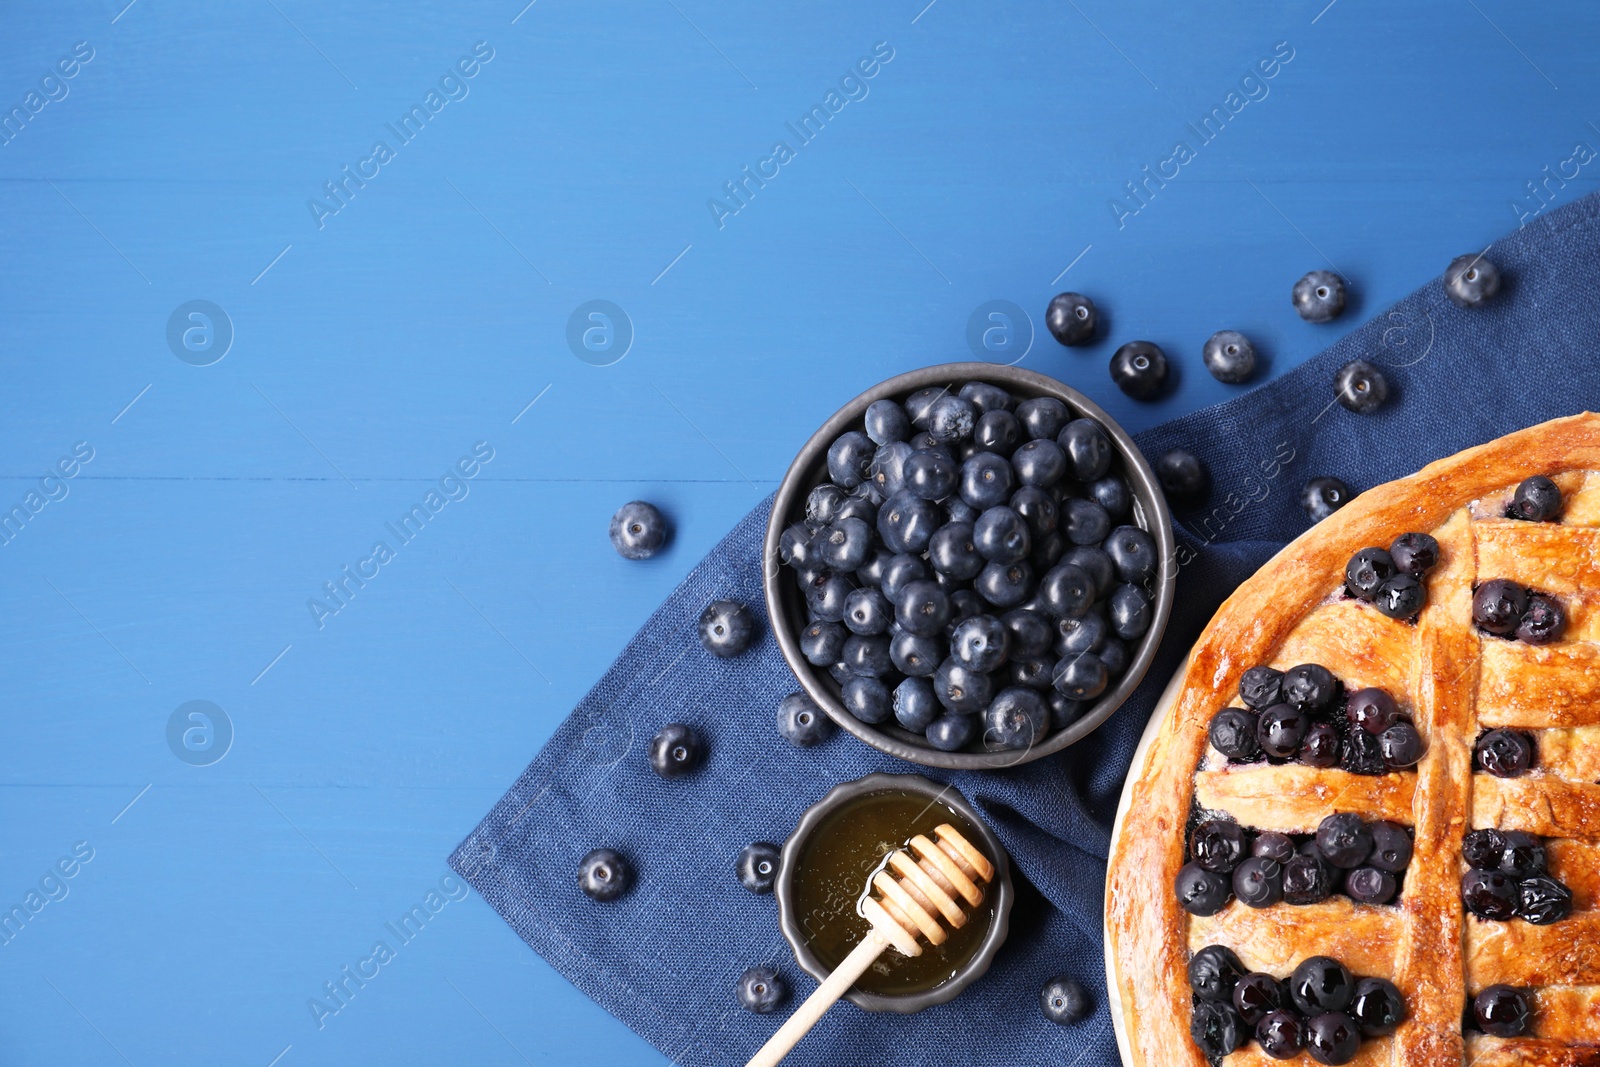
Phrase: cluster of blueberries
(1262,868)
(1321,1008)
(1504,608)
(1304,714)
(1510,879)
(1392,580)
(969,567)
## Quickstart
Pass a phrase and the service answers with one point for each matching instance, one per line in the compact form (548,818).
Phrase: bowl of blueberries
(969,566)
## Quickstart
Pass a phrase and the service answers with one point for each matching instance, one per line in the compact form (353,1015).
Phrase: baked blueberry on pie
(1367,828)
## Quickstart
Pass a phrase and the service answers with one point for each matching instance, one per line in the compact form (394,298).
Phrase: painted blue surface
(371,353)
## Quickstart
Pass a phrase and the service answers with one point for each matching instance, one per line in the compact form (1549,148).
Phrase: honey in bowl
(831,874)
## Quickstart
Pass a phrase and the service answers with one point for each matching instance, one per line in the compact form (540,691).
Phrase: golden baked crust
(1453,680)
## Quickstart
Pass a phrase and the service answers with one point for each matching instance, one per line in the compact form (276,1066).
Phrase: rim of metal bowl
(786,608)
(883,782)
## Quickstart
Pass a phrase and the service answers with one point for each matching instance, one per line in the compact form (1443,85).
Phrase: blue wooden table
(332,338)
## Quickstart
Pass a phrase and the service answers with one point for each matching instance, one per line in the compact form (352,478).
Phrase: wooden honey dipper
(906,907)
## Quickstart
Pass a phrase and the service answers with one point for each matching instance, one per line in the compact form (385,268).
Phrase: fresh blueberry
(676,750)
(922,608)
(871,572)
(1344,840)
(1016,718)
(1366,572)
(862,504)
(915,706)
(1470,281)
(952,552)
(1089,451)
(1502,1011)
(951,733)
(1497,606)
(931,473)
(1369,885)
(1522,854)
(1402,745)
(1280,730)
(1202,892)
(1084,522)
(1361,387)
(1322,746)
(980,643)
(1321,984)
(821,642)
(888,470)
(1258,882)
(1038,509)
(914,654)
(987,397)
(826,595)
(964,604)
(1483,849)
(1255,995)
(757,866)
(1544,621)
(638,530)
(1310,686)
(865,697)
(839,673)
(1133,554)
(997,431)
(887,421)
(1130,612)
(960,511)
(1504,753)
(1414,553)
(1378,1007)
(845,544)
(1306,881)
(795,547)
(1071,318)
(1040,462)
(986,480)
(1230,357)
(1034,672)
(1001,535)
(1269,844)
(604,874)
(1097,564)
(1140,369)
(1323,496)
(865,654)
(1214,972)
(1084,633)
(906,522)
(1064,711)
(901,570)
(1233,733)
(952,419)
(1261,687)
(1043,416)
(1216,1030)
(1281,1034)
(1319,296)
(961,690)
(823,502)
(849,458)
(1391,846)
(919,405)
(801,722)
(1184,479)
(1030,633)
(921,440)
(1081,677)
(1332,1037)
(1543,900)
(1401,597)
(761,989)
(1537,499)
(1111,493)
(1066,591)
(1114,654)
(867,611)
(1064,1001)
(1005,585)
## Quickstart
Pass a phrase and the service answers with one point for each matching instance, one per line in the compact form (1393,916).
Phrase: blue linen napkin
(664,958)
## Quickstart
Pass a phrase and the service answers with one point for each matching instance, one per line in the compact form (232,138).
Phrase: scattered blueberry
(761,989)
(1372,709)
(604,874)
(1471,281)
(757,866)
(801,722)
(1323,496)
(676,750)
(1064,1000)
(1218,845)
(1184,479)
(638,530)
(1230,357)
(1483,849)
(1361,387)
(1140,369)
(1319,296)
(1537,499)
(1071,318)
(727,628)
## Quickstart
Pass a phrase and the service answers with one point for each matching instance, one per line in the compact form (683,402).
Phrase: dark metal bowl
(786,604)
(990,845)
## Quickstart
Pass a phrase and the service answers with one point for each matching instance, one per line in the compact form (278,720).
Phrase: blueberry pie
(1367,828)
